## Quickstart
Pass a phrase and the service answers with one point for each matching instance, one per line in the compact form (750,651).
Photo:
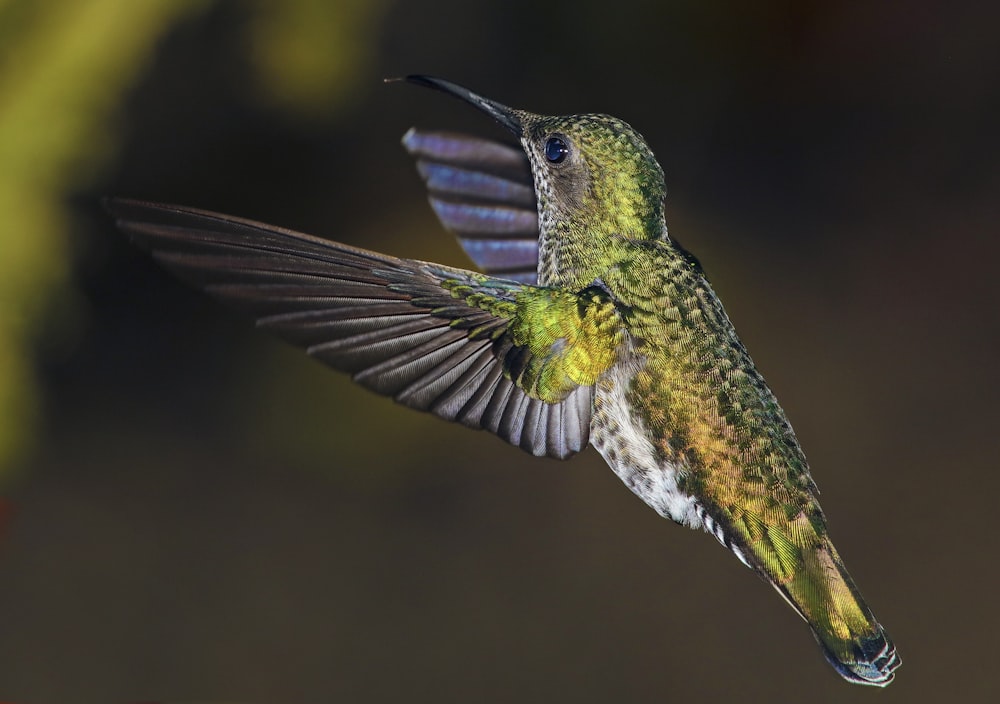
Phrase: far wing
(483,192)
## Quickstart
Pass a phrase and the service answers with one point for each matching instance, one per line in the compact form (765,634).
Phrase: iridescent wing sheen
(517,360)
(482,191)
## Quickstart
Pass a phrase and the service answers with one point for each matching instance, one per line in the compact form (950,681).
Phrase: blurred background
(192,510)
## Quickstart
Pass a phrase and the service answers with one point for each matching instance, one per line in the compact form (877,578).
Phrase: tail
(824,594)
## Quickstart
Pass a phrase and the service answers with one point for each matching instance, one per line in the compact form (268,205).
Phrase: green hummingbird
(588,324)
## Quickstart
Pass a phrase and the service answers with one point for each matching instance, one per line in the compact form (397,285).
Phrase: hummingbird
(587,323)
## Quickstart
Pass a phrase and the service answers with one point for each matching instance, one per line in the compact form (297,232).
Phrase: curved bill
(508,117)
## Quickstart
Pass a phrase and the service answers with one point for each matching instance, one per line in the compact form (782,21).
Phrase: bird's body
(591,324)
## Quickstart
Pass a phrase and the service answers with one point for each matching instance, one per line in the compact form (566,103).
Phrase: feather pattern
(433,338)
(483,192)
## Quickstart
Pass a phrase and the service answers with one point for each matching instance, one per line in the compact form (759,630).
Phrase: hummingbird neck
(576,248)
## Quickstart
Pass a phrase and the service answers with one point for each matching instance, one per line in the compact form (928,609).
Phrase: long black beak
(508,117)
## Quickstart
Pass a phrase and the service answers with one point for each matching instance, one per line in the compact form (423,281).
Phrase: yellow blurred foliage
(65,66)
(307,52)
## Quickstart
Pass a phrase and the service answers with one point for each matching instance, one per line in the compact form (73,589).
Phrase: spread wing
(515,359)
(483,192)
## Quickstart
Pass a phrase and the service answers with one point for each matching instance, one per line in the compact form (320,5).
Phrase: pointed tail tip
(874,661)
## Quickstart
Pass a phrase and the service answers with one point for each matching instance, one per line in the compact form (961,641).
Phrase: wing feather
(483,192)
(443,340)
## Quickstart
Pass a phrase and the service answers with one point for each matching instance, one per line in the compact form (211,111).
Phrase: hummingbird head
(594,172)
(595,177)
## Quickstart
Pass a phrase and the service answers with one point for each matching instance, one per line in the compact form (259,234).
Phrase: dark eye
(555,149)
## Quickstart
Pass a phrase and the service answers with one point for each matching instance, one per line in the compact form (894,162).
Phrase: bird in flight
(586,324)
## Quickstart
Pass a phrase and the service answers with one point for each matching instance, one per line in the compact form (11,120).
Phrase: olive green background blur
(195,511)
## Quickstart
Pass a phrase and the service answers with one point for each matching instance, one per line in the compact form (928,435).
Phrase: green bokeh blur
(194,511)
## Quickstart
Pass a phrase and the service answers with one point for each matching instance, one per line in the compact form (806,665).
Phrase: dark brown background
(207,514)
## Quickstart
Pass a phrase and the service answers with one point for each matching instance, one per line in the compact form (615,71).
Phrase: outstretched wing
(483,192)
(518,360)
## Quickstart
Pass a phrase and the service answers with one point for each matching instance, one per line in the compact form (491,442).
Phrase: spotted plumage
(590,325)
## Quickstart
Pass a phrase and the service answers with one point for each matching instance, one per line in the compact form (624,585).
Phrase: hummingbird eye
(555,149)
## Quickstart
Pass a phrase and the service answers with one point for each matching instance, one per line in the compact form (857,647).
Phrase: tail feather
(852,640)
(872,662)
